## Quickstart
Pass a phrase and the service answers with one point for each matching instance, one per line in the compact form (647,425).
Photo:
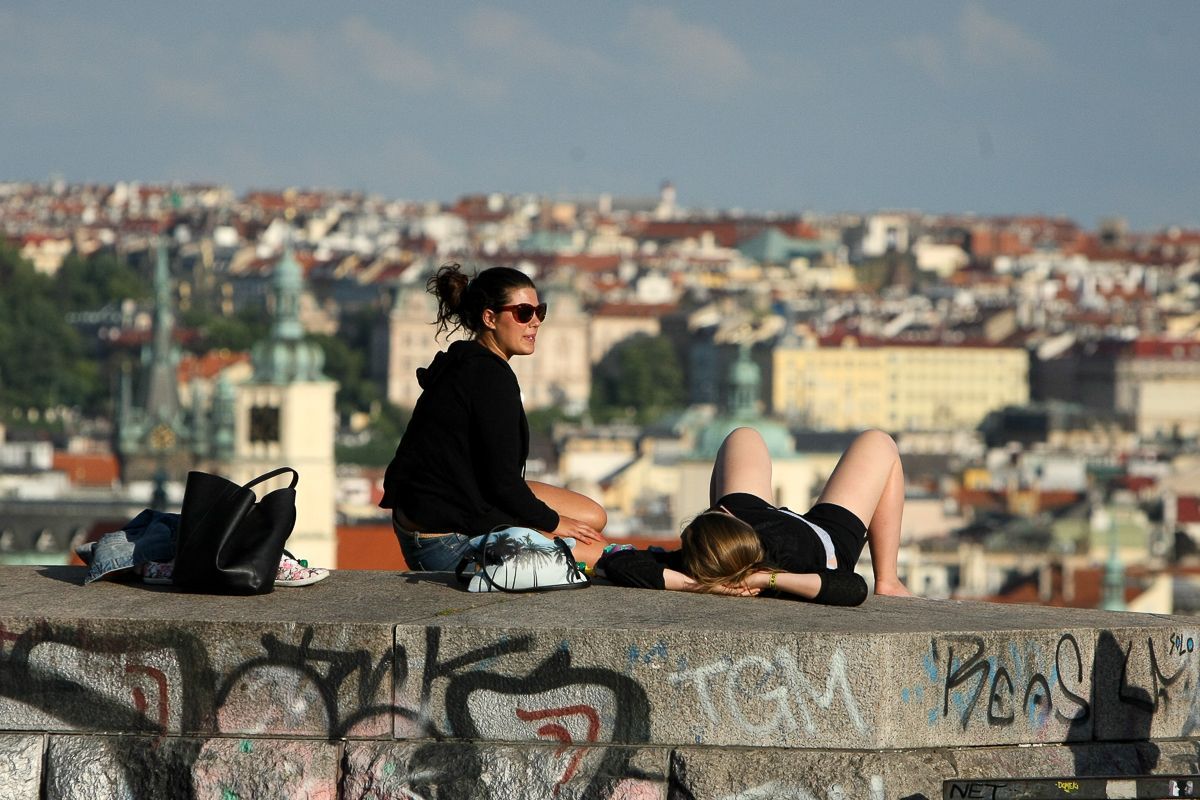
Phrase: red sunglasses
(523,312)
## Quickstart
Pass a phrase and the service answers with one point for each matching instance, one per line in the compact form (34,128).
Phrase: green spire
(1114,572)
(162,390)
(745,378)
(289,283)
(286,357)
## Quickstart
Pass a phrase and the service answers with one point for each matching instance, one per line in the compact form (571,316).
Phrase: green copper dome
(745,378)
(286,357)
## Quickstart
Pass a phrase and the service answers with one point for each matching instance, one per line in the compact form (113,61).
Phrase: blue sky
(1086,108)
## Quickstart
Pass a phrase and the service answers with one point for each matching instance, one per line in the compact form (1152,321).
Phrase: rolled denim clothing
(150,536)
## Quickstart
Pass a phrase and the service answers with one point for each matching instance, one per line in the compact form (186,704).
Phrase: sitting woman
(459,469)
(744,545)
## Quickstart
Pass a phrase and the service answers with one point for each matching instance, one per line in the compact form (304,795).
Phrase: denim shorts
(439,553)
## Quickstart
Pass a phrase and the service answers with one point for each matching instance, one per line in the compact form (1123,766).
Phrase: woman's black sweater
(460,464)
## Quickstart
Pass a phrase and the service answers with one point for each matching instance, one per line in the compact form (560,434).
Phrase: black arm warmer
(640,568)
(841,588)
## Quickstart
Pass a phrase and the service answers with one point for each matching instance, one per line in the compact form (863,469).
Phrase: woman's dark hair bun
(462,300)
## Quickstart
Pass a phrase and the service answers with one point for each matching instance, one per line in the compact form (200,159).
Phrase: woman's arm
(644,569)
(802,584)
(829,587)
(496,433)
(681,582)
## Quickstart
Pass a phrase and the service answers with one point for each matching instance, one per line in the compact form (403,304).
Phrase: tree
(347,365)
(379,444)
(639,379)
(91,283)
(43,363)
(219,332)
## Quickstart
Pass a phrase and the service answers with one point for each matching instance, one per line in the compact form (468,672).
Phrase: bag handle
(273,474)
(572,564)
(479,558)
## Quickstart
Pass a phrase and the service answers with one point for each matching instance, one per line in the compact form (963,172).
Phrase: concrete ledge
(20,767)
(598,692)
(82,767)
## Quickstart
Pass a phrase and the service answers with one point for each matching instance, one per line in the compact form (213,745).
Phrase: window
(264,424)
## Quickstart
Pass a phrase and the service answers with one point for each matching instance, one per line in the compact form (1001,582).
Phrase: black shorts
(846,531)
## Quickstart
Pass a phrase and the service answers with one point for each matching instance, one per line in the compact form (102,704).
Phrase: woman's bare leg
(576,506)
(571,504)
(743,464)
(869,481)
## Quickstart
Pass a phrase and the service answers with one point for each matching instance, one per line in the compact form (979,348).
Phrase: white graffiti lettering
(793,694)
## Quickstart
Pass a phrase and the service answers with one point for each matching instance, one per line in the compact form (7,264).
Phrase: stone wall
(380,685)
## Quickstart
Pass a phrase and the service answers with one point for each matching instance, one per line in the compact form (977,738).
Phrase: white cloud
(318,61)
(979,40)
(695,57)
(388,60)
(515,41)
(356,50)
(293,54)
(989,41)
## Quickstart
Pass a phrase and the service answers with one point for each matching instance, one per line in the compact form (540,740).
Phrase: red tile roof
(634,310)
(1174,349)
(588,263)
(1187,510)
(1087,590)
(209,365)
(87,469)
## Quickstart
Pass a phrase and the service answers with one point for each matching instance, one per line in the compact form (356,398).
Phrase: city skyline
(1075,109)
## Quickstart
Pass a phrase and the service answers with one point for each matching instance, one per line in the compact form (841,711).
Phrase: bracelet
(771,584)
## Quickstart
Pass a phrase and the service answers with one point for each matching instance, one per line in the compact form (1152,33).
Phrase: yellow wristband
(771,584)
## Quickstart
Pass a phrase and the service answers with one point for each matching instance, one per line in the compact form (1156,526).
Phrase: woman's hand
(734,590)
(679,582)
(577,530)
(761,579)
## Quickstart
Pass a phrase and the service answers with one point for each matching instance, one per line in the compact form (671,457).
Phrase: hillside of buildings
(1041,378)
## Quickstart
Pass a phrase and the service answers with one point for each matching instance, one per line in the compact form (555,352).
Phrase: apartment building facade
(855,383)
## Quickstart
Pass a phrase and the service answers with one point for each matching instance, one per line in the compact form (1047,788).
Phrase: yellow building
(850,384)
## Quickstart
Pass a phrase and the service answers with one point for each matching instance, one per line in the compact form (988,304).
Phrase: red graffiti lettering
(139,697)
(553,730)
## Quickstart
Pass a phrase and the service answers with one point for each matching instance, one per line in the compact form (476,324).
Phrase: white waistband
(826,540)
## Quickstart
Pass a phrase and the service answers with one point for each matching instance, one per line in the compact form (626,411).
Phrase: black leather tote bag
(228,542)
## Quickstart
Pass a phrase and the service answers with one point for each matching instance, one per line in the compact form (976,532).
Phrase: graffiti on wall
(1049,690)
(1001,686)
(164,680)
(577,709)
(587,720)
(768,697)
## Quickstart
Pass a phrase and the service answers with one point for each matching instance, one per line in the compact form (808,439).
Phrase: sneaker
(158,573)
(294,573)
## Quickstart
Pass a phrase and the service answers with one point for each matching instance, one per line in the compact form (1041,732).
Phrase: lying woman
(744,545)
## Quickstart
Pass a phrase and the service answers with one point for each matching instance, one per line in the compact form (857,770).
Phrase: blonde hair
(719,548)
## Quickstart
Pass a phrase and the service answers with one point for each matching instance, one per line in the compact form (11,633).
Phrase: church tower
(285,416)
(153,438)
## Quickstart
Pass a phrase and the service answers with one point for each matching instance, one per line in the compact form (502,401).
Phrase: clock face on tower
(264,424)
(162,437)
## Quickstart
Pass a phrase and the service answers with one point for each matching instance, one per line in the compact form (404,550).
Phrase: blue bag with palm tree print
(515,559)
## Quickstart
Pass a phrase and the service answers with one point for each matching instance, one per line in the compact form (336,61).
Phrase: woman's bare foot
(892,589)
